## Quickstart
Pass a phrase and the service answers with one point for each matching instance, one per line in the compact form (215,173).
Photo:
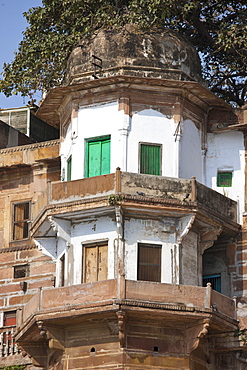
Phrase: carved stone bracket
(58,229)
(185,225)
(42,330)
(208,237)
(195,334)
(53,224)
(121,328)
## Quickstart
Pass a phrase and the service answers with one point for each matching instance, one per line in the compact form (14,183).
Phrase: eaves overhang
(238,127)
(48,111)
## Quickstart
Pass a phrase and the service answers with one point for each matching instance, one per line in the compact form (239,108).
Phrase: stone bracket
(121,328)
(43,348)
(195,334)
(208,237)
(185,225)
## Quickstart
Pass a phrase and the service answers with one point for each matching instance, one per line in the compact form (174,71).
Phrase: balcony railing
(8,347)
(168,296)
(165,189)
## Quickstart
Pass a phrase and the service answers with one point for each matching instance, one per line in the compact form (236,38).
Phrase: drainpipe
(178,120)
(124,105)
(204,146)
(204,151)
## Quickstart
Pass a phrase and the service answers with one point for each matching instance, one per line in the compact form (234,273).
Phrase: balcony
(55,304)
(191,311)
(171,195)
(125,311)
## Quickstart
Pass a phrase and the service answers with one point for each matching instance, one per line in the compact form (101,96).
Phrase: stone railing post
(208,296)
(193,189)
(118,181)
(19,318)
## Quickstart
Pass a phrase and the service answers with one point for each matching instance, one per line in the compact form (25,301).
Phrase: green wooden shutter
(98,157)
(105,156)
(224,179)
(69,163)
(93,158)
(150,159)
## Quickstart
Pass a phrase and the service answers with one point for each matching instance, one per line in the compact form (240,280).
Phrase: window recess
(224,178)
(21,218)
(97,158)
(95,262)
(21,271)
(9,318)
(149,262)
(150,159)
(215,281)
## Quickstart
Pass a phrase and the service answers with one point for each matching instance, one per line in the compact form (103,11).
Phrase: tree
(217,29)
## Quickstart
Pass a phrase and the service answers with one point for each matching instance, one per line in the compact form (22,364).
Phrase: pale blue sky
(12,24)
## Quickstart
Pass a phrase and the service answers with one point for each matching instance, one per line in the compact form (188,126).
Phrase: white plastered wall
(93,230)
(136,231)
(151,126)
(190,163)
(153,232)
(147,126)
(226,152)
(181,156)
(92,122)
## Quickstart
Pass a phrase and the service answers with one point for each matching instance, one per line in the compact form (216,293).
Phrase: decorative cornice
(18,248)
(21,148)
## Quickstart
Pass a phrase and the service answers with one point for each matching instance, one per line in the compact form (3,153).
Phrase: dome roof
(129,51)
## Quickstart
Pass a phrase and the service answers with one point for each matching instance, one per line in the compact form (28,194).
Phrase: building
(130,253)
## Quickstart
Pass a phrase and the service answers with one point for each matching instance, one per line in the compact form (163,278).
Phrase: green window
(224,179)
(150,159)
(98,156)
(69,164)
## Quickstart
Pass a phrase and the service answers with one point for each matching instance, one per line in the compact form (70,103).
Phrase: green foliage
(115,199)
(217,28)
(13,367)
(241,334)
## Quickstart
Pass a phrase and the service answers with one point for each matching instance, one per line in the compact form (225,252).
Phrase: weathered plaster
(226,152)
(190,163)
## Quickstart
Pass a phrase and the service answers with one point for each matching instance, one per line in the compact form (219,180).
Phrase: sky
(12,24)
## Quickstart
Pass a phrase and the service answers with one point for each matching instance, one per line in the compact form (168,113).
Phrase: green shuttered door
(150,159)
(98,157)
